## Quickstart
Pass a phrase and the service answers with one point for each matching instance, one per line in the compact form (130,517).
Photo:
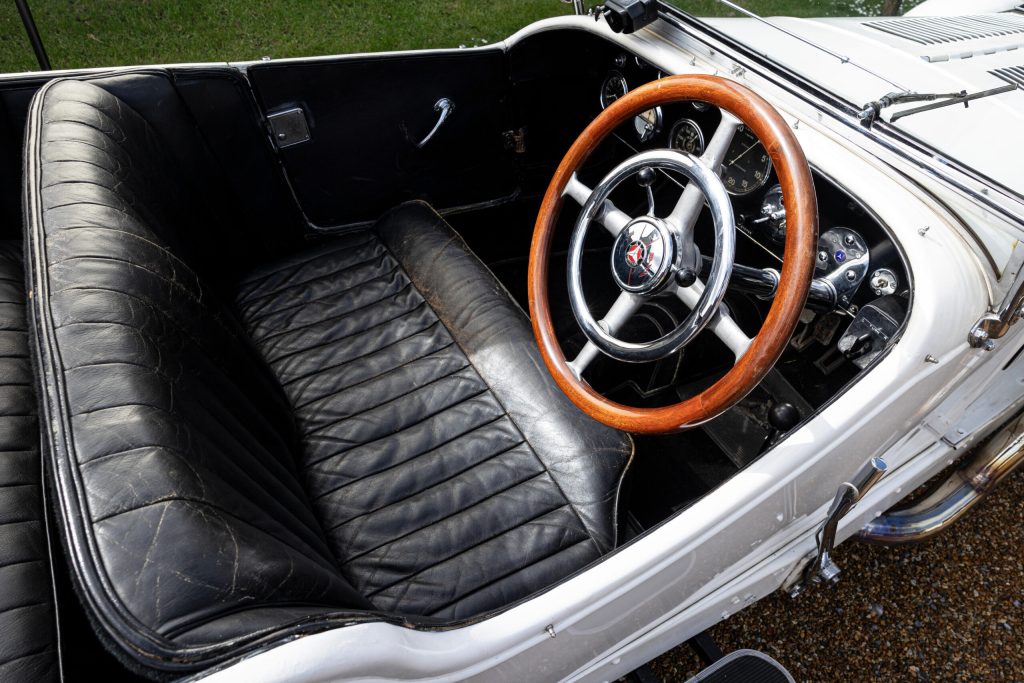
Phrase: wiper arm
(872,110)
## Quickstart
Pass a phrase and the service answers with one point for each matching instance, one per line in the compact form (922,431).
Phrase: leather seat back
(28,637)
(168,432)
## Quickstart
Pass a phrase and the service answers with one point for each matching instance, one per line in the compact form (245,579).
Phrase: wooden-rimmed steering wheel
(652,256)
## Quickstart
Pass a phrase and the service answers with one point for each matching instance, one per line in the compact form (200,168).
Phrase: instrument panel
(747,167)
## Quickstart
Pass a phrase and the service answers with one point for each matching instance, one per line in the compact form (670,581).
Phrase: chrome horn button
(642,255)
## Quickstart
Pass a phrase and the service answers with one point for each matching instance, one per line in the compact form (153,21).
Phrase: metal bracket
(995,324)
(288,127)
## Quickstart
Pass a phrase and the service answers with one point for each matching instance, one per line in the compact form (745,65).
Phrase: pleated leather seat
(28,642)
(360,430)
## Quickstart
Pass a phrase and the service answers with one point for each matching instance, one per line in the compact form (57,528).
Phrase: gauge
(648,124)
(686,136)
(747,165)
(613,88)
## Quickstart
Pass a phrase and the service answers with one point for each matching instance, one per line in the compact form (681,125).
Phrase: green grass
(79,33)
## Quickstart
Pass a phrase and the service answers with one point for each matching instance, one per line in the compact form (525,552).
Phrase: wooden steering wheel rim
(794,282)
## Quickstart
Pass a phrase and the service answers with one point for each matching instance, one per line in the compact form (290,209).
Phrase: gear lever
(782,416)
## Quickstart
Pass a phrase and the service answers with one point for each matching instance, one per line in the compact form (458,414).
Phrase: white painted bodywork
(952,8)
(751,535)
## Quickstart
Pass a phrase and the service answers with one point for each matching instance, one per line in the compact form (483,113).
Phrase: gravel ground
(951,609)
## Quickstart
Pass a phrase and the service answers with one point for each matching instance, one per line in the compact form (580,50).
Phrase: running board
(748,666)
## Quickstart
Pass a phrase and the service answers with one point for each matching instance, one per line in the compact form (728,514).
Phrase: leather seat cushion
(449,473)
(28,648)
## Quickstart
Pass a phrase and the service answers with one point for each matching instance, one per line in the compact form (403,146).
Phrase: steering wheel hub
(643,255)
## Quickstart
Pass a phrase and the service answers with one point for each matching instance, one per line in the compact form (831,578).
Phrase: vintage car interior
(278,321)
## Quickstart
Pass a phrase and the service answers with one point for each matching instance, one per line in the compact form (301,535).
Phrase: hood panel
(922,54)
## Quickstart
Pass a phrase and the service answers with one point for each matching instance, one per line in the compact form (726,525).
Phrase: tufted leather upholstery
(28,648)
(364,426)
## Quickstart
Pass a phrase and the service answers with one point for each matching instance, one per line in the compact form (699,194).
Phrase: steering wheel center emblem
(636,254)
(643,254)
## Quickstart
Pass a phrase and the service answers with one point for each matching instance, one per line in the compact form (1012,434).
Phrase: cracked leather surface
(450,473)
(178,436)
(357,429)
(28,647)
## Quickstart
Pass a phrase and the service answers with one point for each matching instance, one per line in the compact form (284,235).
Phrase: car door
(367,117)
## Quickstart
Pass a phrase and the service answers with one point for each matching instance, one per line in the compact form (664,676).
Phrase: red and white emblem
(635,254)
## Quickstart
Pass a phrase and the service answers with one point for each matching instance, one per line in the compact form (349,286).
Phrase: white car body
(925,404)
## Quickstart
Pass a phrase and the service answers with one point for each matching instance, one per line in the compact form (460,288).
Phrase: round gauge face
(686,136)
(613,88)
(747,165)
(648,124)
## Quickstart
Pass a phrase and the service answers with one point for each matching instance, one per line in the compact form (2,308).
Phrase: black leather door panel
(366,115)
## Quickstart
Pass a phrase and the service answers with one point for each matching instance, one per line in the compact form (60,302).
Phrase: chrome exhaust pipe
(952,499)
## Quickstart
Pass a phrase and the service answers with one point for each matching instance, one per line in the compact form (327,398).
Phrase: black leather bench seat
(28,644)
(415,426)
(361,429)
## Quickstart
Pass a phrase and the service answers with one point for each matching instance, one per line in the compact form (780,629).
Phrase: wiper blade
(872,110)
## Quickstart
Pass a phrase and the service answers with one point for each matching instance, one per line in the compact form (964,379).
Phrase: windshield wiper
(872,110)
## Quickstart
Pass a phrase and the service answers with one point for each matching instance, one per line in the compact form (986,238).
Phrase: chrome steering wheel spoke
(722,324)
(621,311)
(686,211)
(607,215)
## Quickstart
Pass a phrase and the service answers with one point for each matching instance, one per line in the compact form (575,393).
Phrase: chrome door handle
(445,107)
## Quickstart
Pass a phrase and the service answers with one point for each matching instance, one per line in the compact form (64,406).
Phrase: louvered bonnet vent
(1011,74)
(938,30)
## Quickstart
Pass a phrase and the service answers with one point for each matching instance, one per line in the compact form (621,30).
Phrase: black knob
(645,176)
(783,416)
(685,277)
(853,346)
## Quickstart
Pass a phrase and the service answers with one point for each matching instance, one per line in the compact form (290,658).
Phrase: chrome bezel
(752,188)
(621,270)
(612,74)
(648,134)
(675,128)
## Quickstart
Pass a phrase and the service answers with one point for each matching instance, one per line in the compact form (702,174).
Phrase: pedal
(748,666)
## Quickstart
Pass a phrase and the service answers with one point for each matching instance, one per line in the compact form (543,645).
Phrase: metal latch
(288,127)
(515,140)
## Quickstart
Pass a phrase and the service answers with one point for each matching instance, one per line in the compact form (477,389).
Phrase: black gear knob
(783,416)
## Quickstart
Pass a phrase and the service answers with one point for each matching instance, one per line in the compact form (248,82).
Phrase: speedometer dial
(747,165)
(686,136)
(613,88)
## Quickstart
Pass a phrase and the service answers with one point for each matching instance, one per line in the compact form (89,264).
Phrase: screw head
(851,276)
